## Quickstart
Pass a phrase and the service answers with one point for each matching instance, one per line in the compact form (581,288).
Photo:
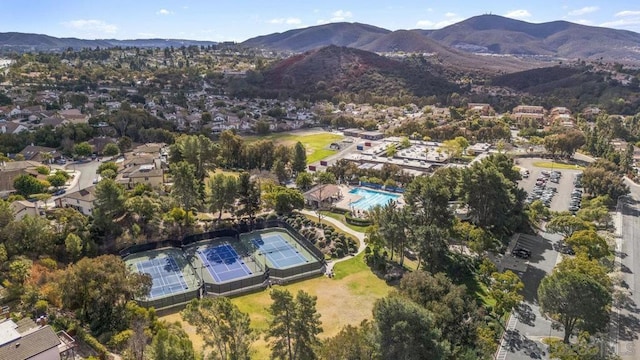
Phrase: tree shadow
(628,326)
(537,253)
(525,314)
(531,280)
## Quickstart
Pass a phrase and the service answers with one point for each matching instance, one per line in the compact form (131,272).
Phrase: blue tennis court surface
(279,251)
(166,276)
(223,263)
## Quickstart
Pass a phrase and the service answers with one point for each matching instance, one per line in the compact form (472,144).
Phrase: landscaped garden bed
(329,240)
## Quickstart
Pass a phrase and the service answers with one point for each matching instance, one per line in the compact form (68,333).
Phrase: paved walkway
(337,223)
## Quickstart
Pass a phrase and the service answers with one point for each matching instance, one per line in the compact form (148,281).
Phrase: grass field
(557,165)
(316,143)
(345,299)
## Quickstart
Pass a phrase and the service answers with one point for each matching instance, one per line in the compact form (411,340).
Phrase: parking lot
(561,199)
(527,327)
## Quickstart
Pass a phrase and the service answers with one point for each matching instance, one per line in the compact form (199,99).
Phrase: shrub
(356,220)
(338,210)
(49,263)
(322,244)
(272,216)
(339,252)
(43,170)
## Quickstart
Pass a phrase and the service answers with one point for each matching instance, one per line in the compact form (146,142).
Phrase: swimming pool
(371,198)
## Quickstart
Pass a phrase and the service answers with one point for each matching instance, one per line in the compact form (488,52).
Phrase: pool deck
(347,198)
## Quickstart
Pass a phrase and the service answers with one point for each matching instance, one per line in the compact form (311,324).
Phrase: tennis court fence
(171,300)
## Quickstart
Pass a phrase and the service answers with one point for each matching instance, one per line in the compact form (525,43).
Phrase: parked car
(521,253)
(59,192)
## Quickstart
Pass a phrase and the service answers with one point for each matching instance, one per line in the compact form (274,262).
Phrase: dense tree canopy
(576,301)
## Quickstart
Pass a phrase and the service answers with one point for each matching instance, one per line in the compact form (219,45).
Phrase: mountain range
(485,34)
(39,42)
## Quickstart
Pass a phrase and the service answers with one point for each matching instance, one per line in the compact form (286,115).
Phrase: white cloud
(91,27)
(626,13)
(341,15)
(518,14)
(163,12)
(627,19)
(583,11)
(288,21)
(450,14)
(147,35)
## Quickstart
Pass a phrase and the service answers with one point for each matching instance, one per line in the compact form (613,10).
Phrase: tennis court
(223,263)
(279,252)
(166,276)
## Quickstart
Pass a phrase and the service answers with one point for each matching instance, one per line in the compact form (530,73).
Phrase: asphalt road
(87,173)
(628,319)
(524,340)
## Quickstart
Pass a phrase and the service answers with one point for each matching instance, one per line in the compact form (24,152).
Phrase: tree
(185,185)
(6,213)
(73,245)
(598,179)
(324,177)
(492,196)
(111,149)
(575,300)
(304,180)
(299,163)
(294,327)
(249,196)
(144,209)
(109,165)
(355,343)
(57,179)
(197,150)
(26,185)
(505,288)
(124,144)
(284,200)
(109,203)
(280,171)
(99,288)
(453,310)
(588,267)
(566,224)
(171,342)
(222,193)
(406,330)
(224,328)
(588,242)
(82,149)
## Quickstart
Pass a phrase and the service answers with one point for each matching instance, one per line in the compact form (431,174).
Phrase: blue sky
(242,19)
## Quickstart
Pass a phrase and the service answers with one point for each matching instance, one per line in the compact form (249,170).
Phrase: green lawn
(557,165)
(316,144)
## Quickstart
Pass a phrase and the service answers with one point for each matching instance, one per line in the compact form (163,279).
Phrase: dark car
(521,253)
(59,192)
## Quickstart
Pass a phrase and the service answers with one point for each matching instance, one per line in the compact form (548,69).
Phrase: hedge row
(356,221)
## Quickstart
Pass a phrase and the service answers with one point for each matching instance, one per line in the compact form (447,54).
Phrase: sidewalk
(358,235)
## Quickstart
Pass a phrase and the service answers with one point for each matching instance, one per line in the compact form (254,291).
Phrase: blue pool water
(371,198)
